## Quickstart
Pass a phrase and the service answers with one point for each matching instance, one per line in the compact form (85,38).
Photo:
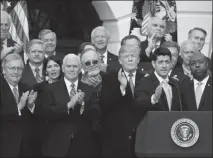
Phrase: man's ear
(62,68)
(153,64)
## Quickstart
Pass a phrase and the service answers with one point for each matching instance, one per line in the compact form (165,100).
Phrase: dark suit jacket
(28,76)
(13,128)
(188,96)
(71,133)
(112,62)
(147,88)
(120,118)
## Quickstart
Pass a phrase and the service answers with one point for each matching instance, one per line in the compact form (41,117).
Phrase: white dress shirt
(46,56)
(204,82)
(160,79)
(127,76)
(68,85)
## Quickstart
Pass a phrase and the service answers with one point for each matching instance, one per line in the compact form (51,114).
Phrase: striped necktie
(16,95)
(198,93)
(73,91)
(131,83)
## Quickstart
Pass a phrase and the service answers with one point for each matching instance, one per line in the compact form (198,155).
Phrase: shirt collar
(68,83)
(46,56)
(186,71)
(11,87)
(127,74)
(160,79)
(33,67)
(204,81)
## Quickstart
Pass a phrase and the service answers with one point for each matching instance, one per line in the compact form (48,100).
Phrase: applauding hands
(28,98)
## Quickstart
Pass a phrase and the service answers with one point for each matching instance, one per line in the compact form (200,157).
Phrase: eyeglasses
(19,69)
(89,63)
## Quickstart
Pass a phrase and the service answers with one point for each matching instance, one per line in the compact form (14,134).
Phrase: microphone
(174,83)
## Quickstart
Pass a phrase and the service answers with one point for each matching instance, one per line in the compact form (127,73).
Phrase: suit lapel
(191,94)
(206,93)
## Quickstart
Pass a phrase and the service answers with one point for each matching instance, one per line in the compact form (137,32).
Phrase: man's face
(90,61)
(129,61)
(36,53)
(13,71)
(199,38)
(71,69)
(162,65)
(100,39)
(198,66)
(157,27)
(174,53)
(187,53)
(5,26)
(50,42)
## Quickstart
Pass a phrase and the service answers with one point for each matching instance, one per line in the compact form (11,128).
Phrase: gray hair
(11,57)
(100,28)
(69,56)
(186,43)
(35,41)
(5,14)
(87,50)
(43,32)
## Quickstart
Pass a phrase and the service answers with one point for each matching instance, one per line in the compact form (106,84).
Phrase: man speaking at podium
(158,91)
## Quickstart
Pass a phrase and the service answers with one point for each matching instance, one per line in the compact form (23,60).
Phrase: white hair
(5,14)
(99,28)
(70,56)
(186,43)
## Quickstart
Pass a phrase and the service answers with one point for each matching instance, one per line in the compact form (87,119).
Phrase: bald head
(71,67)
(156,26)
(199,66)
(5,25)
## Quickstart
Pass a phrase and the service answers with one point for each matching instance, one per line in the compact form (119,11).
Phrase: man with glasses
(120,118)
(17,104)
(197,93)
(70,106)
(100,38)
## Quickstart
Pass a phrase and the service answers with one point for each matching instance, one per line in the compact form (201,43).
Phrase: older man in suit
(7,44)
(197,93)
(158,91)
(33,72)
(50,40)
(100,38)
(156,36)
(17,104)
(120,118)
(71,107)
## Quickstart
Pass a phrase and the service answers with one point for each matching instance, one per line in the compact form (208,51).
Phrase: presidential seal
(185,132)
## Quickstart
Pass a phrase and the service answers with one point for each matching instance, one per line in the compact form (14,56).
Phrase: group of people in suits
(90,104)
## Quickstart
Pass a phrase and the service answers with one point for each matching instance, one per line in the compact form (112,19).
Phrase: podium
(159,131)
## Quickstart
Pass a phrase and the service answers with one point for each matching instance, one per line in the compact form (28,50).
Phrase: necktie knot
(37,70)
(130,75)
(72,85)
(199,83)
(102,58)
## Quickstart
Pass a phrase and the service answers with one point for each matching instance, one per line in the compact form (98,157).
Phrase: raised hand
(158,92)
(103,67)
(122,79)
(94,81)
(168,37)
(151,45)
(31,99)
(23,100)
(18,47)
(81,96)
(73,101)
(6,50)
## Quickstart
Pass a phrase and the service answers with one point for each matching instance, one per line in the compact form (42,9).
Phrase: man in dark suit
(146,67)
(197,93)
(100,38)
(158,91)
(156,29)
(120,118)
(70,106)
(50,40)
(33,72)
(7,44)
(16,107)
